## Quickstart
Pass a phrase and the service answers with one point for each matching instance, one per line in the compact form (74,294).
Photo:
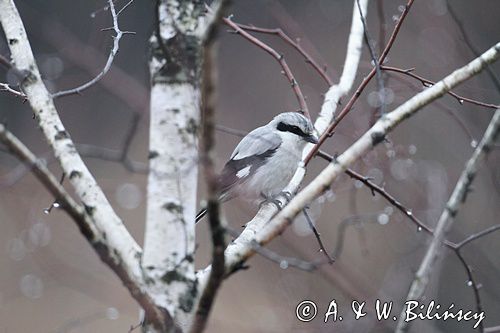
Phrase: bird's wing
(257,142)
(248,156)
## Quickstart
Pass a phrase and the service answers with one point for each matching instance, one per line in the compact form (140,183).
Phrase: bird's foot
(287,196)
(274,201)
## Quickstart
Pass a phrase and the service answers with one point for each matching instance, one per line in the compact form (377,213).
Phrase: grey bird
(265,160)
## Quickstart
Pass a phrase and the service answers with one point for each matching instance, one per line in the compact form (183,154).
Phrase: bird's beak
(311,138)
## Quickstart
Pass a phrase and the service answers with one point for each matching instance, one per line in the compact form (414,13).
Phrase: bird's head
(295,124)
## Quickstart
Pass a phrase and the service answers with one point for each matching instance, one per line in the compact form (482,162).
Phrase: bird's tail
(200,214)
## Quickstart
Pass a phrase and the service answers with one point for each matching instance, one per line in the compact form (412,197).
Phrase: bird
(265,160)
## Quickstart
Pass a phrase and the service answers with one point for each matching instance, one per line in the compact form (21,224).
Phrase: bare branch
(478,235)
(429,83)
(347,108)
(169,239)
(208,101)
(281,60)
(336,92)
(376,63)
(7,88)
(471,282)
(318,237)
(446,219)
(469,43)
(40,170)
(377,189)
(278,32)
(382,25)
(111,57)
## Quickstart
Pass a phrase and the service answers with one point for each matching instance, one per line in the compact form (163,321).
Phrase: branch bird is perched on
(265,160)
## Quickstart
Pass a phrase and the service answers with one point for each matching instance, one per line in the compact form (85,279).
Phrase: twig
(136,326)
(308,58)
(124,7)
(281,60)
(55,203)
(90,151)
(318,237)
(478,235)
(7,88)
(347,108)
(20,75)
(5,62)
(231,131)
(441,107)
(382,25)
(446,219)
(471,46)
(282,261)
(471,282)
(374,188)
(351,63)
(429,83)
(109,62)
(43,174)
(376,63)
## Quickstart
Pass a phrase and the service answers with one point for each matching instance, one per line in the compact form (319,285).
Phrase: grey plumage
(265,160)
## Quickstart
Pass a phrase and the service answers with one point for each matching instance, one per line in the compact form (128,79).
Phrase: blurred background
(52,281)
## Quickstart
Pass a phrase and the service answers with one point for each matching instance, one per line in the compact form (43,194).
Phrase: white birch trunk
(169,242)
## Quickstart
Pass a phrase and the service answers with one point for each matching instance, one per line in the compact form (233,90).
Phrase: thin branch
(429,83)
(55,203)
(351,63)
(283,261)
(85,150)
(376,63)
(124,7)
(318,237)
(374,188)
(347,108)
(111,57)
(7,88)
(5,62)
(43,174)
(470,44)
(308,58)
(20,75)
(446,219)
(443,108)
(478,235)
(279,57)
(209,103)
(382,25)
(471,282)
